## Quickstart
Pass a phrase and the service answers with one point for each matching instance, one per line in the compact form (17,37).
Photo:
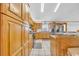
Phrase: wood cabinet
(25,13)
(16,8)
(10,35)
(25,40)
(5,9)
(14,39)
(42,35)
(36,26)
(30,45)
(73,51)
(61,43)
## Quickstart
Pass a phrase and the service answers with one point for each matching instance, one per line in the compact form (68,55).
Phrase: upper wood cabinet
(19,11)
(25,13)
(16,8)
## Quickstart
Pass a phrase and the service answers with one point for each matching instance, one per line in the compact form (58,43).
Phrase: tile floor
(41,48)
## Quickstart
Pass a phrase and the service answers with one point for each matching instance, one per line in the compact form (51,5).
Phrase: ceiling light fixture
(57,6)
(42,7)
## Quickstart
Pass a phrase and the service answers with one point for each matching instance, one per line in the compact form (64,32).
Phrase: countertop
(73,35)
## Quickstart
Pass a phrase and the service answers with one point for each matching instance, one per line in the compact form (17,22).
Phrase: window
(45,26)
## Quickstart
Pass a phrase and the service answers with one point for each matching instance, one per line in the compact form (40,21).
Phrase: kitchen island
(60,43)
(73,51)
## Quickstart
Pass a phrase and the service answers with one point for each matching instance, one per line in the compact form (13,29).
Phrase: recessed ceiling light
(57,6)
(42,7)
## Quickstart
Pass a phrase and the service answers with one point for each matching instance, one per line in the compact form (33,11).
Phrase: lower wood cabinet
(61,43)
(14,39)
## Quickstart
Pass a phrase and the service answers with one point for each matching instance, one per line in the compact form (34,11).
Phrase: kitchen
(50,30)
(39,29)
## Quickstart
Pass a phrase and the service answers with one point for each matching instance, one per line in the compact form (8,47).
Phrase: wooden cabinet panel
(53,46)
(25,13)
(4,36)
(14,37)
(26,43)
(16,11)
(6,10)
(16,8)
(25,39)
(11,38)
(30,43)
(26,50)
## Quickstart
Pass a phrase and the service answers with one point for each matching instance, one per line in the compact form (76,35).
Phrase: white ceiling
(66,12)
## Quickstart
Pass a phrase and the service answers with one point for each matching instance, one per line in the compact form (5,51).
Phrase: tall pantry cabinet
(14,37)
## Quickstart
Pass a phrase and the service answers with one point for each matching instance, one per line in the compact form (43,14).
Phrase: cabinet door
(14,37)
(16,8)
(25,12)
(10,36)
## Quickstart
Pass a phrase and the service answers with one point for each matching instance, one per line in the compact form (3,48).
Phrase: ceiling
(66,12)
